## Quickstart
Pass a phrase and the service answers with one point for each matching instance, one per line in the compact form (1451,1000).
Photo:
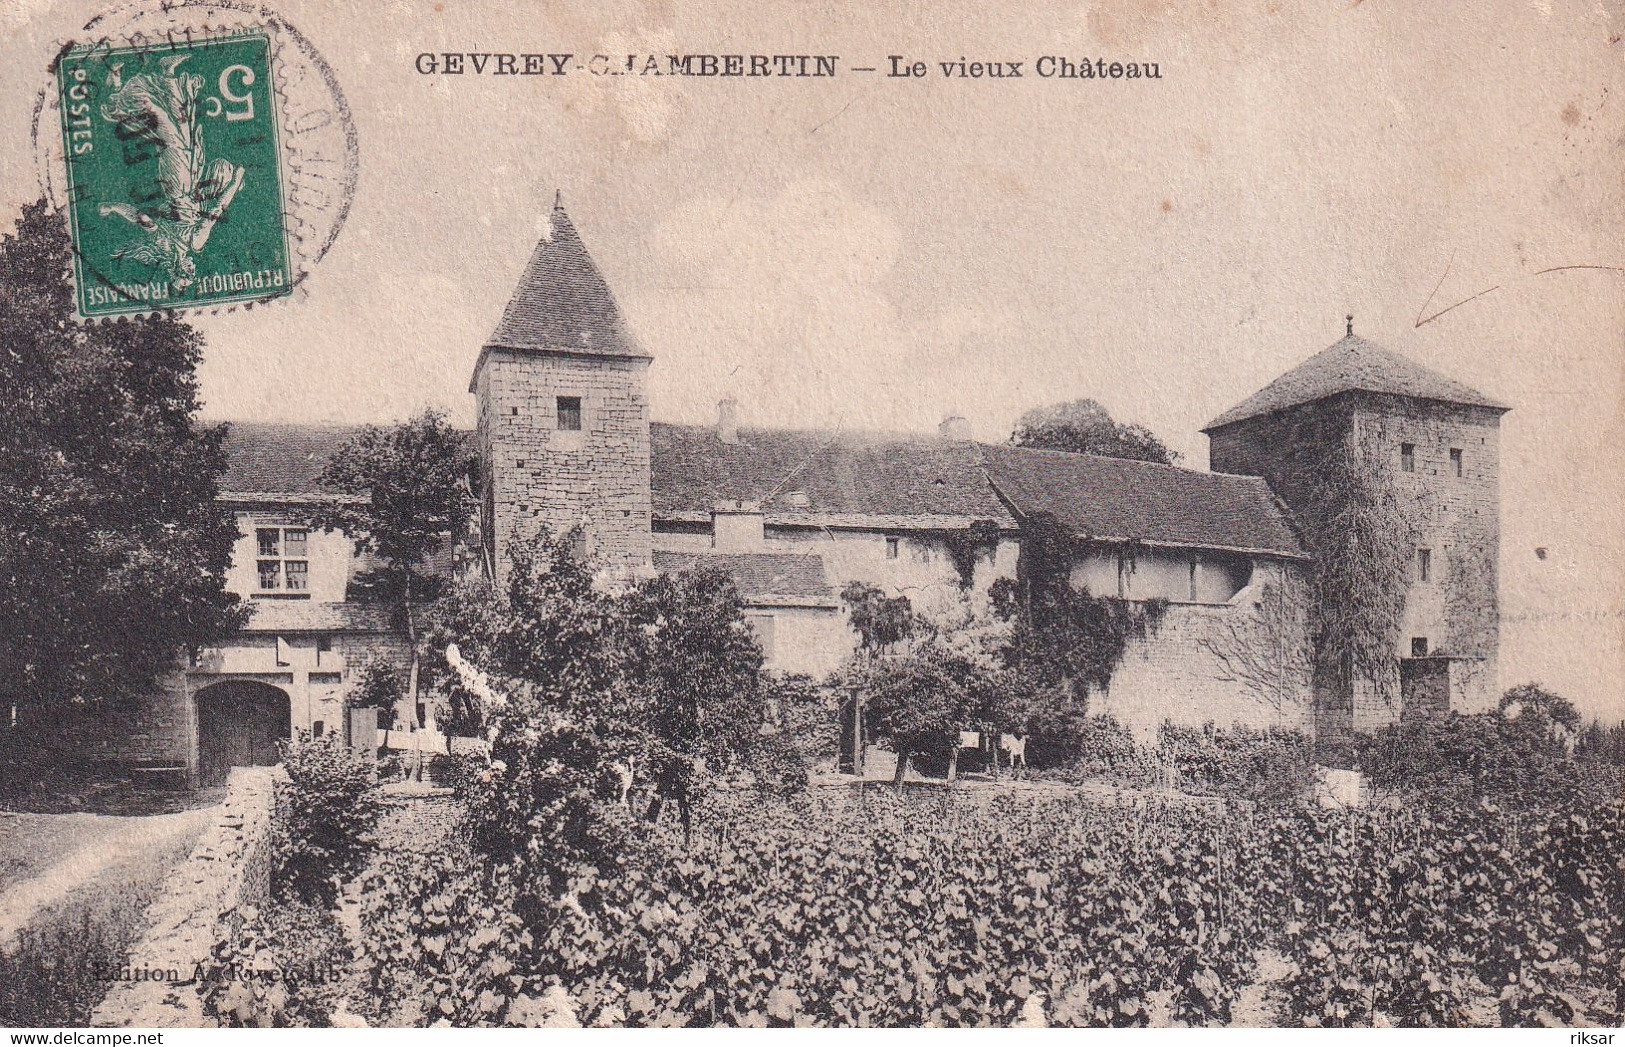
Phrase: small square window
(893,544)
(514,411)
(270,541)
(1407,457)
(1455,460)
(298,575)
(293,542)
(317,728)
(1419,647)
(570,413)
(1424,565)
(270,574)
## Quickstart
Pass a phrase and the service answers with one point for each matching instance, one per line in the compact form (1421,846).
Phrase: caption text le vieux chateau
(542,63)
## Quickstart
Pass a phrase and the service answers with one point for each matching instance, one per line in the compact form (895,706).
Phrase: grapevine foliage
(876,909)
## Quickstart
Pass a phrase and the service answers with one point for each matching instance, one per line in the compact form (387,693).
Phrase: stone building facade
(563,439)
(1435,443)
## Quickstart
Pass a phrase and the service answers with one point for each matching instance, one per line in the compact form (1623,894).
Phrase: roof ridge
(1113,458)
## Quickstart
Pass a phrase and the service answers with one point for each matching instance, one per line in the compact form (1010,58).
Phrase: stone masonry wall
(1241,663)
(1458,519)
(537,474)
(1457,610)
(229,868)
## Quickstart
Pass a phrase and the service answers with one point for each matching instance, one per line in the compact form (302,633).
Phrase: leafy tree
(1086,427)
(412,500)
(609,701)
(916,703)
(113,548)
(880,620)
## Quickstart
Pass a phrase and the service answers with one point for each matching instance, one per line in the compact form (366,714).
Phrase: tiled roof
(866,480)
(1114,499)
(310,616)
(822,477)
(282,462)
(274,458)
(1352,364)
(562,302)
(762,578)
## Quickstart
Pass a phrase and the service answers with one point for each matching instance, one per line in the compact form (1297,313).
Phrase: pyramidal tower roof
(562,303)
(1353,364)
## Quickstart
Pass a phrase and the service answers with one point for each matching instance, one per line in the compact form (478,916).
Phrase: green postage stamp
(174,179)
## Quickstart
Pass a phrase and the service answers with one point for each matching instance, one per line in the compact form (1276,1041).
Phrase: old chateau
(564,439)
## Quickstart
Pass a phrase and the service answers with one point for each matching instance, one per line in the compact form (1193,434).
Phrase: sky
(878,252)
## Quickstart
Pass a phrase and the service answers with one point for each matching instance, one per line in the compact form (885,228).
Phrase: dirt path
(109,841)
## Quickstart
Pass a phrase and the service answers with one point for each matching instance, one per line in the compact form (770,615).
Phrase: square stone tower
(1435,445)
(563,422)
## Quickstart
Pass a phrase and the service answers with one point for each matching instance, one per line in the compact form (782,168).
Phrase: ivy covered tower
(1391,471)
(562,420)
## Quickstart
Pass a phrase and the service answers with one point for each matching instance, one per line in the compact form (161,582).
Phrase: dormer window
(1407,457)
(283,559)
(569,411)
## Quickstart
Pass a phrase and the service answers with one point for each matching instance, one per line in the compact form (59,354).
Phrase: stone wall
(1457,518)
(1245,662)
(537,474)
(155,728)
(230,867)
(1457,608)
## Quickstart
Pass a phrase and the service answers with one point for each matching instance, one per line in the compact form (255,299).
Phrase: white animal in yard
(1014,748)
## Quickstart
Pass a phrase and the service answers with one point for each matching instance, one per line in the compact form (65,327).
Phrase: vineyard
(887,909)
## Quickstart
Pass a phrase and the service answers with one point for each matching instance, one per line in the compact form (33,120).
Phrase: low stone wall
(230,867)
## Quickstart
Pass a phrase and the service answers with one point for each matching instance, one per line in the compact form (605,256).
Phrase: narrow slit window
(1419,647)
(570,413)
(1407,457)
(1424,565)
(1455,460)
(893,545)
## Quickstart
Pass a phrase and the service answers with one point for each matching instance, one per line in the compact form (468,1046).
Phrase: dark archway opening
(239,724)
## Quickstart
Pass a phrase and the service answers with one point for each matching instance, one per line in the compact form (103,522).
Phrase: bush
(295,954)
(1521,755)
(1105,750)
(325,813)
(808,715)
(1271,766)
(54,973)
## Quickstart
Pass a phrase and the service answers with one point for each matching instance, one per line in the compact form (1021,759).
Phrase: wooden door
(240,723)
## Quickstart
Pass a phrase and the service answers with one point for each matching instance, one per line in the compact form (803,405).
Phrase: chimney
(728,421)
(736,527)
(954,427)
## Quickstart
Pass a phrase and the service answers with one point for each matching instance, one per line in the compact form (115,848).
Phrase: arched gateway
(239,723)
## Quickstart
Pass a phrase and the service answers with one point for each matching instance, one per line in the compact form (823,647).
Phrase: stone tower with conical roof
(562,419)
(1436,441)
